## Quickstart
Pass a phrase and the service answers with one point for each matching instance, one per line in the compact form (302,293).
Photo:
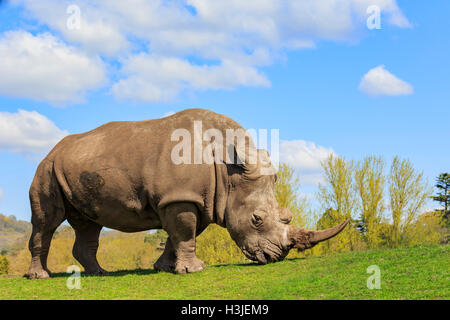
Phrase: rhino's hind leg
(180,222)
(39,246)
(48,213)
(86,243)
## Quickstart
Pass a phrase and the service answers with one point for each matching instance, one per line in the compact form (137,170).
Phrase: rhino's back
(117,139)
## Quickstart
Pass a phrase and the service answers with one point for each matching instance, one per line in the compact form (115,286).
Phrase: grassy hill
(13,232)
(413,273)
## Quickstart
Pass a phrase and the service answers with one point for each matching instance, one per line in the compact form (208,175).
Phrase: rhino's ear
(243,153)
(233,157)
(255,162)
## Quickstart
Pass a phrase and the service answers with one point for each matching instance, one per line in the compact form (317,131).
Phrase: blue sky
(281,69)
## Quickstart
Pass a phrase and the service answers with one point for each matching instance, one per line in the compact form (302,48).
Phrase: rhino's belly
(111,199)
(115,214)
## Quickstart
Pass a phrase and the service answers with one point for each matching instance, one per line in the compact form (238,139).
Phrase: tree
(338,200)
(287,194)
(443,195)
(338,192)
(408,192)
(370,183)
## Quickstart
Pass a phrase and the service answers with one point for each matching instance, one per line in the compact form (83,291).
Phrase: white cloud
(306,158)
(28,132)
(235,37)
(303,154)
(41,67)
(158,78)
(1,193)
(380,82)
(96,34)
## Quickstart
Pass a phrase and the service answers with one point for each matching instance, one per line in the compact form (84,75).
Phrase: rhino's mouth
(266,252)
(264,258)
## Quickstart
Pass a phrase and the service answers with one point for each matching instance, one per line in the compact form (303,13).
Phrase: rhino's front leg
(180,222)
(166,262)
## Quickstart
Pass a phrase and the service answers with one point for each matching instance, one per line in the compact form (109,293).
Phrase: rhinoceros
(134,176)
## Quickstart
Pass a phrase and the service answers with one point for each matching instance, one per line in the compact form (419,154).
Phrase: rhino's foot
(165,265)
(189,266)
(96,272)
(37,274)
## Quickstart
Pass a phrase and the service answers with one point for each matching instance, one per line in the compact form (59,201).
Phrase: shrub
(215,246)
(157,238)
(4,265)
(426,230)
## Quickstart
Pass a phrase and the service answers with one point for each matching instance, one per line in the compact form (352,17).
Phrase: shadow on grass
(118,273)
(296,259)
(143,272)
(251,264)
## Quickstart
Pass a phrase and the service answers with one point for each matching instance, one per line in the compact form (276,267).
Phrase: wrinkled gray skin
(121,176)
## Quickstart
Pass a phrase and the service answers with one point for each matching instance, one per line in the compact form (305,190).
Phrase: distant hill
(11,224)
(12,232)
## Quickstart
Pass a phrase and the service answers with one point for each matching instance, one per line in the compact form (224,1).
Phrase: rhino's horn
(303,239)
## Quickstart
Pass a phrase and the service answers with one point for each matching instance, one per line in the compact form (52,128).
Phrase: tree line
(385,204)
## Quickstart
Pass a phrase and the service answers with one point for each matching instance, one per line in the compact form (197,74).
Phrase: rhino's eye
(256,220)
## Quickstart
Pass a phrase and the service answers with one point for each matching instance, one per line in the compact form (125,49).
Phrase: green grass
(413,273)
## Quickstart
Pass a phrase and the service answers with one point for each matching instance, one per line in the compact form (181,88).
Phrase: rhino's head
(255,221)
